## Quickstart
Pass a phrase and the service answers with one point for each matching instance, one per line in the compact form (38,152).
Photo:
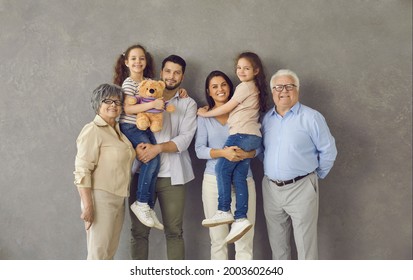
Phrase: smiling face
(136,61)
(172,74)
(219,90)
(284,100)
(245,70)
(109,112)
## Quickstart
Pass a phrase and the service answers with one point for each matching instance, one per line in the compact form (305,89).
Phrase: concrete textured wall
(354,59)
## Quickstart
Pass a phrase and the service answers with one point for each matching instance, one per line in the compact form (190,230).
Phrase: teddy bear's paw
(142,124)
(156,126)
(142,127)
(170,108)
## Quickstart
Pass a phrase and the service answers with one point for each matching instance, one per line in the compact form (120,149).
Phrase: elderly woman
(102,173)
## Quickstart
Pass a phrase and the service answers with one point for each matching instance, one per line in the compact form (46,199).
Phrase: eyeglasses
(110,102)
(288,87)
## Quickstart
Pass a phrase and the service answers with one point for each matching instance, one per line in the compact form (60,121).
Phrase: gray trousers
(292,207)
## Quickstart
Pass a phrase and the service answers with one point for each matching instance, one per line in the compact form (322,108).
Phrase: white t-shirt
(164,136)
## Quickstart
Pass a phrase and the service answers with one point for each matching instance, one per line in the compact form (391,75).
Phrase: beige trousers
(104,234)
(219,249)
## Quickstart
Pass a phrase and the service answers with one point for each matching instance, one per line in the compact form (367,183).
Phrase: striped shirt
(130,88)
(141,100)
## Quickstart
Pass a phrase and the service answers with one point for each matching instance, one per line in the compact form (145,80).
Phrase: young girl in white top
(244,129)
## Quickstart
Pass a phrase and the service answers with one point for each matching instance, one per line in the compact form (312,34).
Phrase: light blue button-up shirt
(211,134)
(297,144)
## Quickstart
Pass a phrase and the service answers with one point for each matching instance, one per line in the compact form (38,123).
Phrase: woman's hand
(231,153)
(234,153)
(241,154)
(87,216)
(87,207)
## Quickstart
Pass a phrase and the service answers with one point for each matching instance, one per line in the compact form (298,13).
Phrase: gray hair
(285,72)
(104,91)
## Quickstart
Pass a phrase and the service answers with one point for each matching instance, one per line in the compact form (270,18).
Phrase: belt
(283,183)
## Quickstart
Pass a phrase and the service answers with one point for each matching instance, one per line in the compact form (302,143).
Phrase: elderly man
(299,149)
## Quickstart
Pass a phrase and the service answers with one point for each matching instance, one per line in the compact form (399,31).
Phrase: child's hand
(183,93)
(158,104)
(202,111)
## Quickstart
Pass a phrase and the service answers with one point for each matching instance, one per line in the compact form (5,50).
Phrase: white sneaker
(220,218)
(142,211)
(157,223)
(238,229)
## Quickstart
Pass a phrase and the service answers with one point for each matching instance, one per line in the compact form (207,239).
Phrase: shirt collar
(295,109)
(175,96)
(99,121)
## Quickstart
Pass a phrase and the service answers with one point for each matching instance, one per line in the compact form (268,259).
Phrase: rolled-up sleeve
(187,127)
(87,156)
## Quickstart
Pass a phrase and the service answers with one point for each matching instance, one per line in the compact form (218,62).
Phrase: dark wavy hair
(260,79)
(213,74)
(122,71)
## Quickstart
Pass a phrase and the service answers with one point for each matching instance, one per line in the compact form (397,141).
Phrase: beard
(172,87)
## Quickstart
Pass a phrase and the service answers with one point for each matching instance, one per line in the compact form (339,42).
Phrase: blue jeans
(229,172)
(145,191)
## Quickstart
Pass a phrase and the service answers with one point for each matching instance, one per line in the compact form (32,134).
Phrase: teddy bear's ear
(142,84)
(162,84)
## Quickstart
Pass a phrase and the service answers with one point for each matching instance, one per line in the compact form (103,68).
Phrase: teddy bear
(149,90)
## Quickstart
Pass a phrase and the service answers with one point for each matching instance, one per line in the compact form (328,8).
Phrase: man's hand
(183,93)
(147,152)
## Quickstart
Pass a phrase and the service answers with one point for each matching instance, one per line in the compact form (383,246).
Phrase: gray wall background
(354,59)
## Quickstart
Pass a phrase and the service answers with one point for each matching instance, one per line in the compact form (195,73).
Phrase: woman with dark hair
(211,136)
(244,131)
(102,173)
